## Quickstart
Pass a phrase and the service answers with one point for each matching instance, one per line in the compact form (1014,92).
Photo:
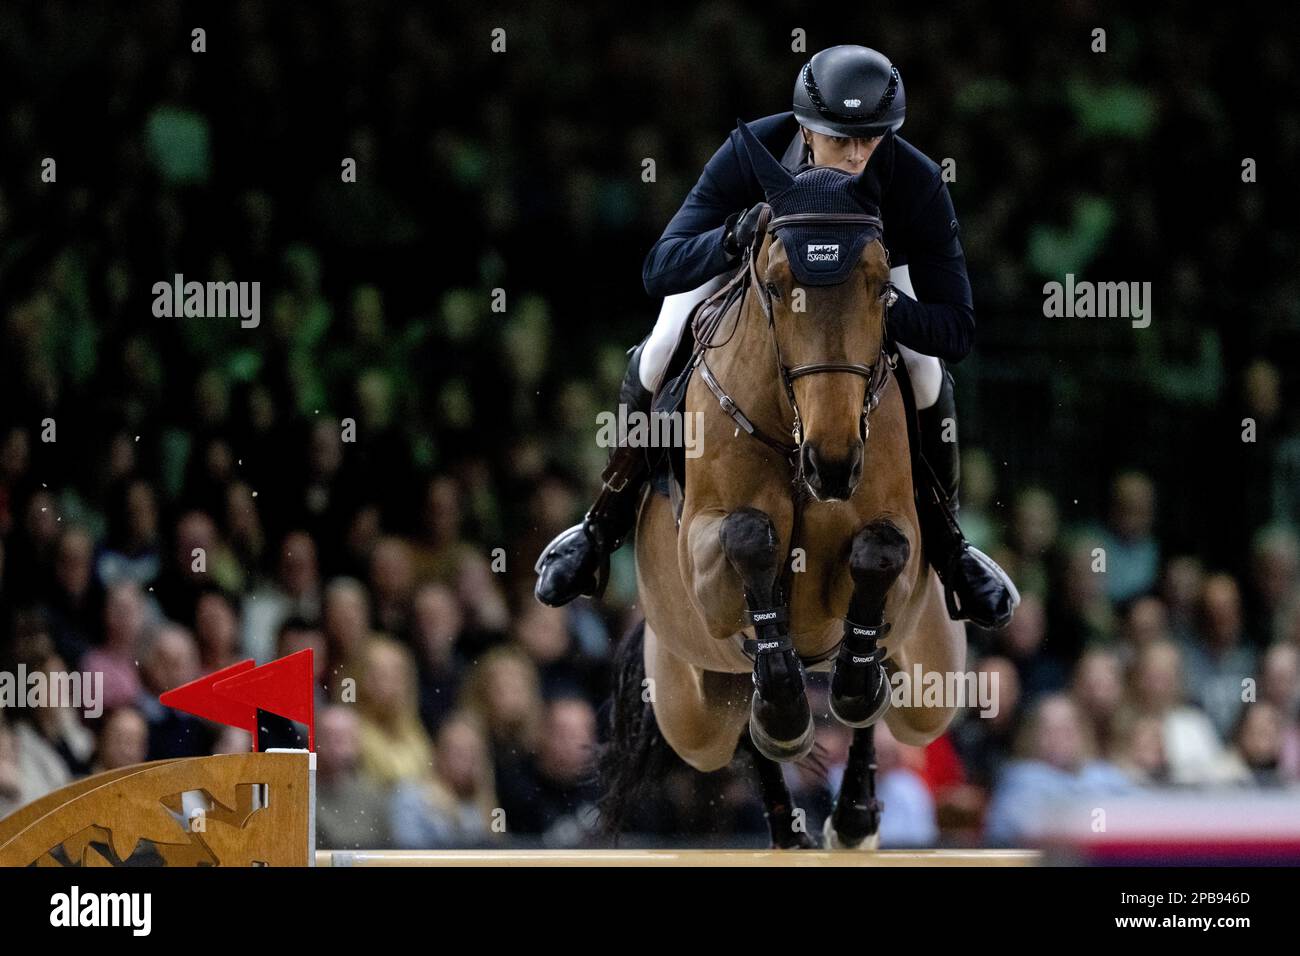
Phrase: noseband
(876,374)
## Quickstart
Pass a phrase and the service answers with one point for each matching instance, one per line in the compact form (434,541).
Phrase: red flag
(284,687)
(202,699)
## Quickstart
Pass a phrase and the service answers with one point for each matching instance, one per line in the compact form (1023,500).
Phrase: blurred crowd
(371,471)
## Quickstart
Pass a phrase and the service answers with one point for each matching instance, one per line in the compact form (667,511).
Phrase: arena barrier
(258,809)
(254,809)
(689,858)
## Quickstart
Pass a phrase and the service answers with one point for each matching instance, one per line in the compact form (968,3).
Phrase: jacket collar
(881,162)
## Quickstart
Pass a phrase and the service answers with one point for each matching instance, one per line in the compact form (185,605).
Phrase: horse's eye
(773,291)
(888,295)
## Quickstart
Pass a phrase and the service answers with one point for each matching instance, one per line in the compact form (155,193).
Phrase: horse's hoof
(850,710)
(831,840)
(781,750)
(799,841)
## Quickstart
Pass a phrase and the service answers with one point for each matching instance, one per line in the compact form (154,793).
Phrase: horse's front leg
(859,685)
(860,688)
(780,719)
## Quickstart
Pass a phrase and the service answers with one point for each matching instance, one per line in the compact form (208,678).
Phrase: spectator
(1023,641)
(909,817)
(1280,686)
(1098,691)
(123,740)
(1257,744)
(554,794)
(392,581)
(216,626)
(436,627)
(1034,526)
(346,622)
(1145,622)
(1132,553)
(1191,746)
(52,742)
(503,690)
(130,550)
(1275,582)
(394,745)
(1139,748)
(13,792)
(1184,582)
(75,600)
(169,659)
(195,564)
(1057,762)
(295,592)
(985,743)
(350,810)
(457,806)
(1218,663)
(440,549)
(125,618)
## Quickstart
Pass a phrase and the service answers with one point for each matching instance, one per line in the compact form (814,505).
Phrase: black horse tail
(634,751)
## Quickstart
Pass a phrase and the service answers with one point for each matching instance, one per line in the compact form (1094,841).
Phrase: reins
(709,316)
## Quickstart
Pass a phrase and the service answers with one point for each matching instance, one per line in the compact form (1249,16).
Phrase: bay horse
(788,554)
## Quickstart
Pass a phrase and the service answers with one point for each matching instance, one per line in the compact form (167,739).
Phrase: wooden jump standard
(254,809)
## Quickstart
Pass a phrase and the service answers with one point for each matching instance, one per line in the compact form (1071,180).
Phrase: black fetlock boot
(780,718)
(860,691)
(576,562)
(975,587)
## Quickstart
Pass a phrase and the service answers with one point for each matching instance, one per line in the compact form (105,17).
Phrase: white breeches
(925,371)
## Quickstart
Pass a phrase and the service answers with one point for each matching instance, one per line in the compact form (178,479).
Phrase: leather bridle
(746,278)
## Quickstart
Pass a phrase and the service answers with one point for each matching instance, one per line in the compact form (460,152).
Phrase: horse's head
(823,269)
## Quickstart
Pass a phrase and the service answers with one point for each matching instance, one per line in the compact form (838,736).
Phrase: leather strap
(826,219)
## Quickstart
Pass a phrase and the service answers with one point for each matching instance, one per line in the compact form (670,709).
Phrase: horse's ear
(760,227)
(866,186)
(771,175)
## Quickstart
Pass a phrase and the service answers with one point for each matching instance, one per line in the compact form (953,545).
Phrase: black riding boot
(577,561)
(975,587)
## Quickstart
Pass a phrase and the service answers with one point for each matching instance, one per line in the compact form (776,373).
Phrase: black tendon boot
(577,561)
(860,688)
(975,587)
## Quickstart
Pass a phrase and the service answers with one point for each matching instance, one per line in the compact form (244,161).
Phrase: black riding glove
(739,234)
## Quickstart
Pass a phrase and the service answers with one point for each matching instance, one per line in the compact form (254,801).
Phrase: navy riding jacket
(921,232)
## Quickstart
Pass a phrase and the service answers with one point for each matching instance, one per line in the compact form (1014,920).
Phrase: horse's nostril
(811,466)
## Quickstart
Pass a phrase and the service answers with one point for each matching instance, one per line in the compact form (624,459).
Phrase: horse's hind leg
(778,805)
(700,713)
(780,720)
(855,822)
(859,685)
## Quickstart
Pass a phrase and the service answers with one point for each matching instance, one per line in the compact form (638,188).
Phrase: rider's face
(847,153)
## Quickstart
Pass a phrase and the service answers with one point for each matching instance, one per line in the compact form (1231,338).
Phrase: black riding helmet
(849,91)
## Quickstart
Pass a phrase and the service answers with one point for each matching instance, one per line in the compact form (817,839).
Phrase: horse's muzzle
(831,479)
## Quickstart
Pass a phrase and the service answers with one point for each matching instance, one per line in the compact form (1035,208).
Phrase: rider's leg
(976,588)
(577,561)
(658,349)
